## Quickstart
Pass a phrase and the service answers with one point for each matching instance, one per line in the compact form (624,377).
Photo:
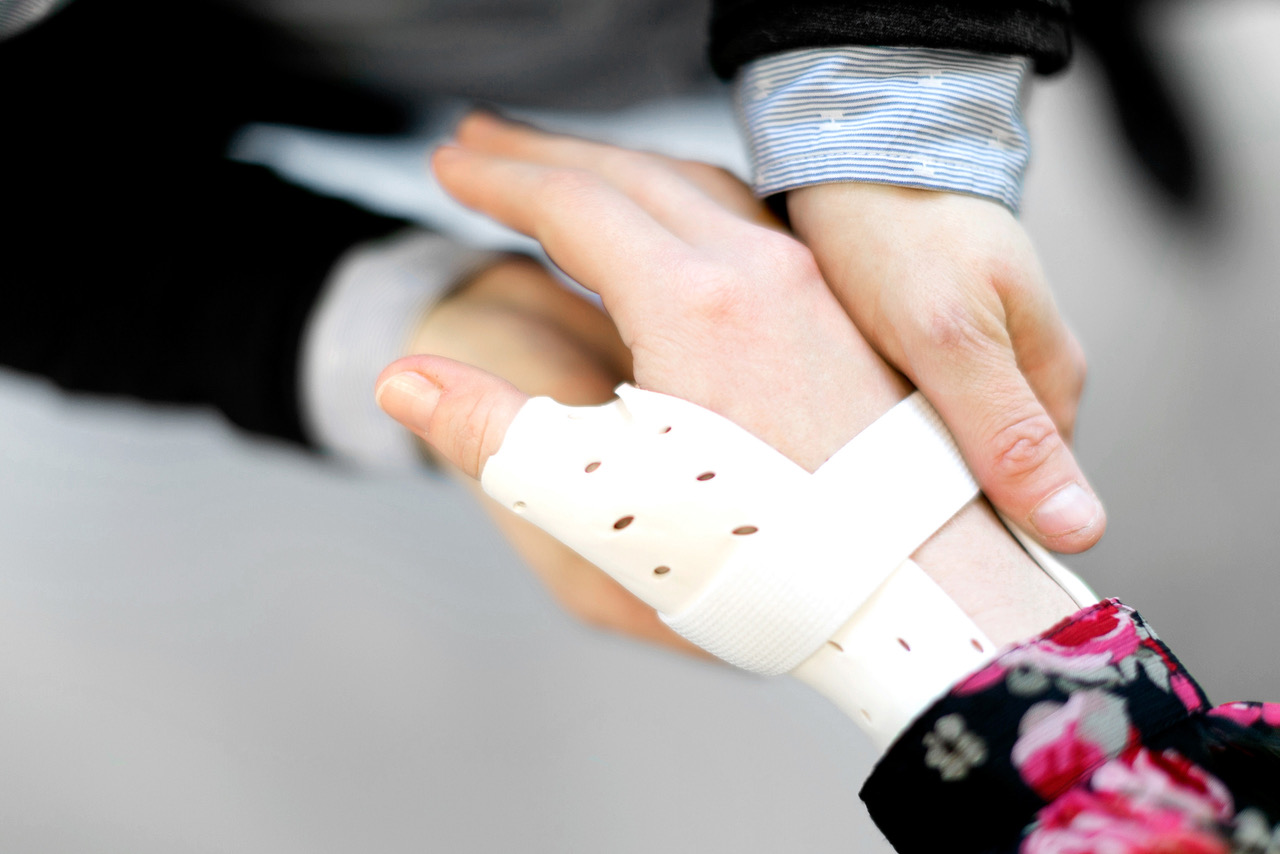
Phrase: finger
(1048,355)
(665,192)
(460,411)
(1058,381)
(484,131)
(965,365)
(589,228)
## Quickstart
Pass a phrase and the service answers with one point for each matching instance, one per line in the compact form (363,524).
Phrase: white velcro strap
(904,648)
(740,550)
(864,512)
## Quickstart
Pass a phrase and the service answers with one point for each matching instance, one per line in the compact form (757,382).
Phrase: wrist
(994,581)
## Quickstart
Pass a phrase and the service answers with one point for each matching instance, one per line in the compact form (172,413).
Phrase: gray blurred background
(212,644)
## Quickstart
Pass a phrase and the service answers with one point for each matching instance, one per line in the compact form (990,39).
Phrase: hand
(947,288)
(714,302)
(514,320)
(717,307)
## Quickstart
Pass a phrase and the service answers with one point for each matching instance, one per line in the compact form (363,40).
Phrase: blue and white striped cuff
(917,117)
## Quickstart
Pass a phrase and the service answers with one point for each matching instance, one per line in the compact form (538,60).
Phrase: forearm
(207,307)
(139,261)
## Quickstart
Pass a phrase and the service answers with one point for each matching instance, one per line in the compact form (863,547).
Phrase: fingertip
(445,154)
(461,411)
(1071,519)
(410,398)
(489,131)
(476,124)
(454,169)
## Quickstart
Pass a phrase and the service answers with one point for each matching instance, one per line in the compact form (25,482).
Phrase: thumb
(1011,443)
(461,411)
(1027,470)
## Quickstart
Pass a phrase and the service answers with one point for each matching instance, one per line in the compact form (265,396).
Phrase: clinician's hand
(948,289)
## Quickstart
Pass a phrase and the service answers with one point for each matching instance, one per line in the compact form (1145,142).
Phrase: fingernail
(409,398)
(1069,509)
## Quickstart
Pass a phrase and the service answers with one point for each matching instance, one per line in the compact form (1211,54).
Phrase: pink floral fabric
(1140,802)
(1089,738)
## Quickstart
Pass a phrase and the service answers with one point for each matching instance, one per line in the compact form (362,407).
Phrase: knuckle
(710,290)
(783,250)
(779,263)
(1024,447)
(951,327)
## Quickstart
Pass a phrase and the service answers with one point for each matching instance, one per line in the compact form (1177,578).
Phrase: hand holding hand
(948,289)
(717,307)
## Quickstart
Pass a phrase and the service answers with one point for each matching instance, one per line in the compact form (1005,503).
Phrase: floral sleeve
(1090,739)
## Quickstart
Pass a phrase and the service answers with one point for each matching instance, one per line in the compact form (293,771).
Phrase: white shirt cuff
(367,314)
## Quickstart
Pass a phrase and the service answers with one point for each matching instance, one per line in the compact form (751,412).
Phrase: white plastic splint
(753,558)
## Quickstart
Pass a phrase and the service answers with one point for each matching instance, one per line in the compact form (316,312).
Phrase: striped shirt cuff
(917,117)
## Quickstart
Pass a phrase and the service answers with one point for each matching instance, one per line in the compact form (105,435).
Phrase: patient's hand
(718,307)
(515,320)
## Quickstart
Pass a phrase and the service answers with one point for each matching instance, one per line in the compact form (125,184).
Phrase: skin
(715,305)
(947,288)
(515,321)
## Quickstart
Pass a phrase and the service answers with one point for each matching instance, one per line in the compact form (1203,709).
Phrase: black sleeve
(744,30)
(137,259)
